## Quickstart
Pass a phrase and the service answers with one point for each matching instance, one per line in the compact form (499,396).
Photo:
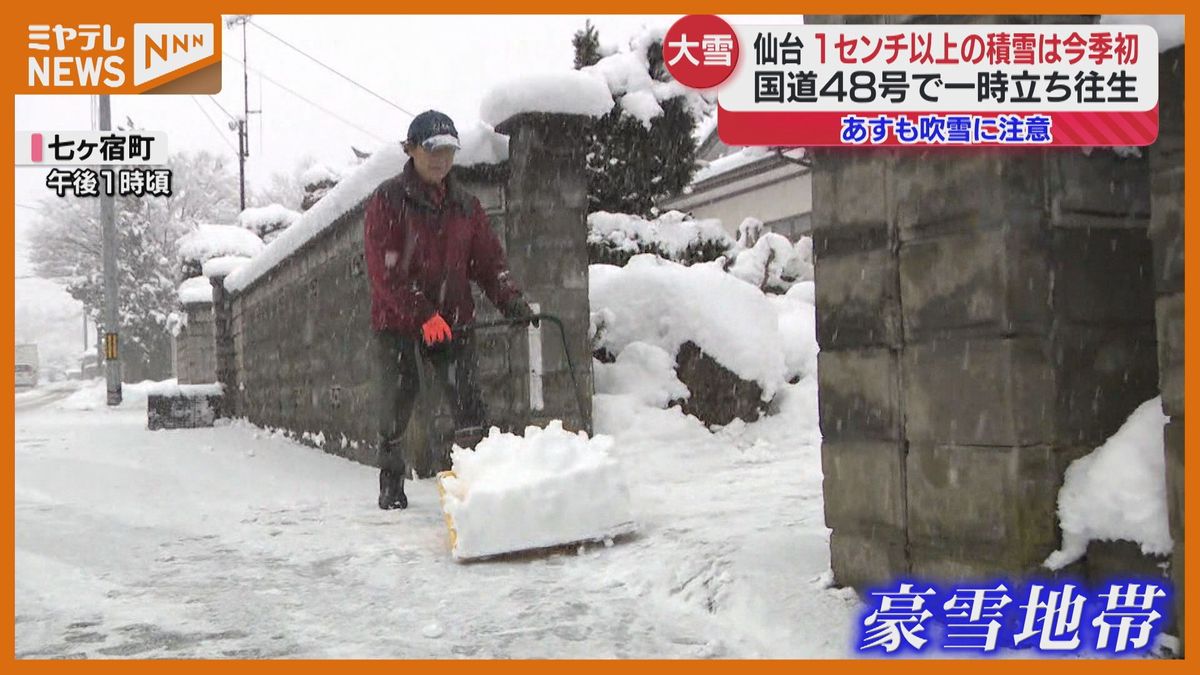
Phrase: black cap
(433,129)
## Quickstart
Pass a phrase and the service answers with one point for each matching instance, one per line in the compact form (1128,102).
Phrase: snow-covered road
(232,541)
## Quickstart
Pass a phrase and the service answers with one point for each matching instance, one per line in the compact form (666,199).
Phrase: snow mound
(571,92)
(223,266)
(547,488)
(195,291)
(666,304)
(340,199)
(671,234)
(481,145)
(797,314)
(212,241)
(645,372)
(1117,491)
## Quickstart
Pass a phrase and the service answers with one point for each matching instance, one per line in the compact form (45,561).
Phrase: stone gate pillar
(1166,230)
(226,352)
(546,242)
(985,317)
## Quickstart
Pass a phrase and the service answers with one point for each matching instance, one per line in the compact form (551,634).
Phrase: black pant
(398,382)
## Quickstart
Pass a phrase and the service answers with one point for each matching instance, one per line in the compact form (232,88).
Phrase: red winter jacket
(424,245)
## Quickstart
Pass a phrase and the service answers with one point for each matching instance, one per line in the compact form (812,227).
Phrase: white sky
(419,62)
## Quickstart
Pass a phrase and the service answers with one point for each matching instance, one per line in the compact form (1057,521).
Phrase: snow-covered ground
(232,541)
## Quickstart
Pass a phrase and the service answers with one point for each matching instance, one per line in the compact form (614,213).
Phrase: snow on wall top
(211,241)
(665,304)
(481,145)
(196,290)
(1168,26)
(342,198)
(570,92)
(1117,491)
(670,231)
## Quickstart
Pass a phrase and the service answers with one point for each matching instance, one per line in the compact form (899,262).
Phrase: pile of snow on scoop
(550,487)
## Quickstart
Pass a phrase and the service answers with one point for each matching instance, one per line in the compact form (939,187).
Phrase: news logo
(1117,618)
(136,58)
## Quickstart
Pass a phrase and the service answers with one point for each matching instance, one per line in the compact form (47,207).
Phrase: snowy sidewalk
(233,542)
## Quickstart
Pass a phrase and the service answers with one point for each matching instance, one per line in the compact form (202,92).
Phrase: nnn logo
(162,48)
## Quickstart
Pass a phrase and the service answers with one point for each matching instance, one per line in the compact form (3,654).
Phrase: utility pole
(242,126)
(112,363)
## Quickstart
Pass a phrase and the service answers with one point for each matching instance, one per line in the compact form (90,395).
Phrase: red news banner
(1065,85)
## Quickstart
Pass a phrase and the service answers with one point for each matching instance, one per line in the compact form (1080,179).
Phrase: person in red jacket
(427,239)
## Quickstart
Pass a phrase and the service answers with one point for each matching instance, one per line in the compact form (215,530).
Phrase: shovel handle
(562,333)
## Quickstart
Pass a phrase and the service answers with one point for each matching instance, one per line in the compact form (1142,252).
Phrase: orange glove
(435,330)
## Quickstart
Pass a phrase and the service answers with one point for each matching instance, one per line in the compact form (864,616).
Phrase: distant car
(26,366)
(26,376)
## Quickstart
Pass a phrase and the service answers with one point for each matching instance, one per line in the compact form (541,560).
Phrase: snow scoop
(571,492)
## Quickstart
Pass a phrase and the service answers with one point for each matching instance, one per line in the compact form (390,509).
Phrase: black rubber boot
(391,490)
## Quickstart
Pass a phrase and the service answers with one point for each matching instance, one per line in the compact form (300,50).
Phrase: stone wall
(985,318)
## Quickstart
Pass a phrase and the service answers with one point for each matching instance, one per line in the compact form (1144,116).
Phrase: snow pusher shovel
(543,490)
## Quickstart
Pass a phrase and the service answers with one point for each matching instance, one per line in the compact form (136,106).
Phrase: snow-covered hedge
(614,238)
(764,259)
(267,221)
(212,241)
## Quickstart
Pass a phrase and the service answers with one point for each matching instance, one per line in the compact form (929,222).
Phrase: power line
(213,123)
(332,70)
(314,104)
(218,104)
(26,206)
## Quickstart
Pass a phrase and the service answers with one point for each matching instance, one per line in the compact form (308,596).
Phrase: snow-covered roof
(210,241)
(197,290)
(570,92)
(739,158)
(1168,26)
(256,218)
(481,145)
(342,198)
(223,265)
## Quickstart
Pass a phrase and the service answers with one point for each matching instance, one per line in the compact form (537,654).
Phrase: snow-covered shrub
(614,238)
(773,263)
